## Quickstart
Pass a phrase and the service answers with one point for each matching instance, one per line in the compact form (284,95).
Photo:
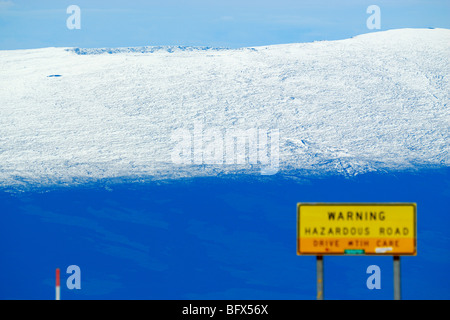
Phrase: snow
(375,102)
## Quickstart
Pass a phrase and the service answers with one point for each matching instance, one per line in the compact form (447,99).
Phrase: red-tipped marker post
(58,288)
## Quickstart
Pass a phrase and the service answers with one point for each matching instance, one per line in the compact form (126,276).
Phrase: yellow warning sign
(356,228)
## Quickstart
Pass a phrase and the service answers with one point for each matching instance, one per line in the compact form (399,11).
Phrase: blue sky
(232,23)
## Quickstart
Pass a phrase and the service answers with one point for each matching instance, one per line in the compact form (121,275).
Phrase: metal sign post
(397,288)
(319,263)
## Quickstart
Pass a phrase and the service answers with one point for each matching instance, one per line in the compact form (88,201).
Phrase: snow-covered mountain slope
(378,101)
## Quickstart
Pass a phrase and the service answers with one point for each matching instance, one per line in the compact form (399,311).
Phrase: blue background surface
(230,237)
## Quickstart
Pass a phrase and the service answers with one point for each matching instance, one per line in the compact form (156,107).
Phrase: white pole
(57,286)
